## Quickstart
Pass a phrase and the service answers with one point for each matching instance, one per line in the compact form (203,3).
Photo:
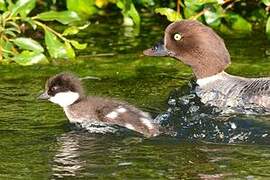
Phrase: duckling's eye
(177,36)
(54,88)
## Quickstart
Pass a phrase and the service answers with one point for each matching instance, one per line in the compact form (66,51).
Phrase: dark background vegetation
(29,35)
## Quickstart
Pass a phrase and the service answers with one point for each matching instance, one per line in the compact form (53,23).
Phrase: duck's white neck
(204,81)
(65,99)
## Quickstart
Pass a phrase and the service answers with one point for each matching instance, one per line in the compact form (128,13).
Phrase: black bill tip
(157,50)
(43,96)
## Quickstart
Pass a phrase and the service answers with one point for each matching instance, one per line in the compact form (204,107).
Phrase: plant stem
(199,14)
(178,3)
(51,30)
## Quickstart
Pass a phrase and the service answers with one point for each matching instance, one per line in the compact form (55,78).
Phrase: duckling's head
(63,89)
(195,45)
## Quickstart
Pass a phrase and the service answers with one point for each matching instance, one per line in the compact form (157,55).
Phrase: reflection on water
(67,160)
(84,155)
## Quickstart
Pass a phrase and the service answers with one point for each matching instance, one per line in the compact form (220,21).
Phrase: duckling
(199,47)
(66,90)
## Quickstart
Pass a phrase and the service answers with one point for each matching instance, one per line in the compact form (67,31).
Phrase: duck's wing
(257,91)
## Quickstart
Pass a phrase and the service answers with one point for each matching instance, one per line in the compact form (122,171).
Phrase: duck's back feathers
(224,90)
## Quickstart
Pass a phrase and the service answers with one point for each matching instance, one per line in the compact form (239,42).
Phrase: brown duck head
(195,45)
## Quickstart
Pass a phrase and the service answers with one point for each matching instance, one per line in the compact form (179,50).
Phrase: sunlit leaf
(101,3)
(15,25)
(5,15)
(23,7)
(64,17)
(27,58)
(266,2)
(70,31)
(85,8)
(129,12)
(84,26)
(8,32)
(212,18)
(133,13)
(55,47)
(70,51)
(238,23)
(77,45)
(171,14)
(6,48)
(12,29)
(268,27)
(2,5)
(28,44)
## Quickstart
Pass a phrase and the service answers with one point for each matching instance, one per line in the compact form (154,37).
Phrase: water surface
(37,142)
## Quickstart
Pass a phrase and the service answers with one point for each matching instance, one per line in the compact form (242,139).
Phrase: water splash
(188,118)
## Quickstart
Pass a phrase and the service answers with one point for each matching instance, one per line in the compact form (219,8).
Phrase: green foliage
(64,17)
(84,8)
(171,14)
(217,14)
(14,47)
(28,44)
(129,12)
(268,27)
(18,16)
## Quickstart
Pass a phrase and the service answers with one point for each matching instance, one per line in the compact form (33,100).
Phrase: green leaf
(64,17)
(171,14)
(238,23)
(15,25)
(70,51)
(11,33)
(27,58)
(77,45)
(85,8)
(23,7)
(13,29)
(28,44)
(212,18)
(55,47)
(6,48)
(84,26)
(129,12)
(133,13)
(2,5)
(266,2)
(70,31)
(268,27)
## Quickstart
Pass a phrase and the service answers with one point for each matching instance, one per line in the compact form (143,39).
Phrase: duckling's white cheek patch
(64,99)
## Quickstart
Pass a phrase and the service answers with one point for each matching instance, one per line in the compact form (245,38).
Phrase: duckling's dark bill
(44,96)
(157,50)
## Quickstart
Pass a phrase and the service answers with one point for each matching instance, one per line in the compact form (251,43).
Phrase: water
(37,142)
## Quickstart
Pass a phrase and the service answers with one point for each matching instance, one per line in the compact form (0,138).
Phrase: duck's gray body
(224,90)
(199,47)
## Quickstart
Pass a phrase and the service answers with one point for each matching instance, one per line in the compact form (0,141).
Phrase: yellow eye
(177,36)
